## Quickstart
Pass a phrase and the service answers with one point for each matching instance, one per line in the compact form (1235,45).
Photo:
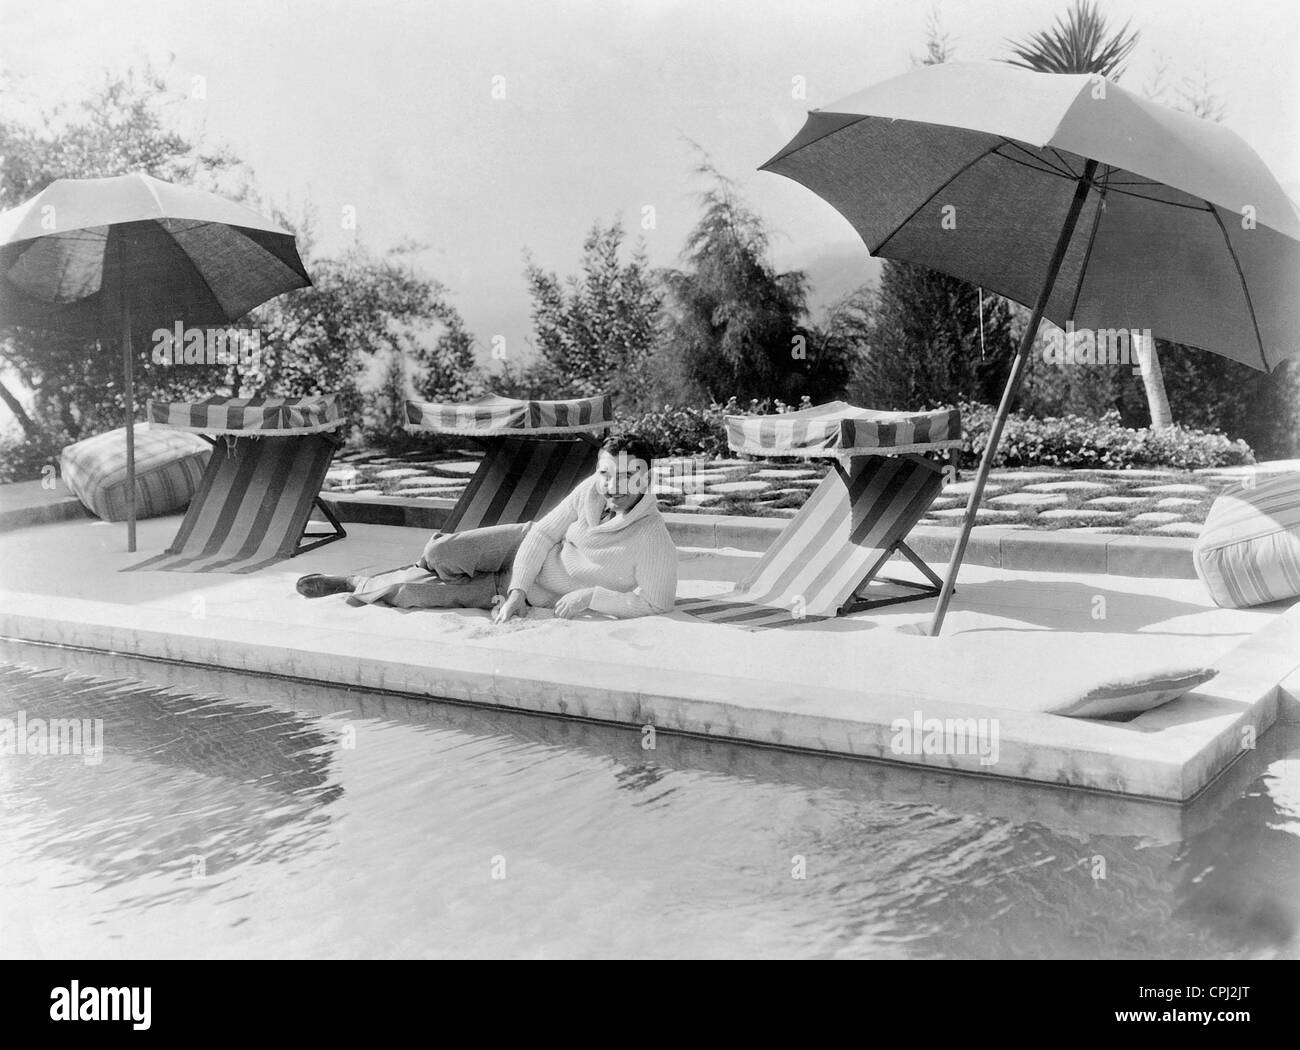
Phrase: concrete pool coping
(683,676)
(1080,814)
(25,503)
(29,503)
(1051,551)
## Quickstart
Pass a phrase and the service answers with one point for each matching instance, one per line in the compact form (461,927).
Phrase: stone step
(1082,514)
(1029,499)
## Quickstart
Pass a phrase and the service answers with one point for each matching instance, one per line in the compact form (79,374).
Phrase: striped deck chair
(828,560)
(261,484)
(536,452)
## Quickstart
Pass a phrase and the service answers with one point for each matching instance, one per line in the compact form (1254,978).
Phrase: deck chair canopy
(249,416)
(840,429)
(494,416)
(537,451)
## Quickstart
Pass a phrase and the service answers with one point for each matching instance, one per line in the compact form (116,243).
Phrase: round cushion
(1248,553)
(168,468)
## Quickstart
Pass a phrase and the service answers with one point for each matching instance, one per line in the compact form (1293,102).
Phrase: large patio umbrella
(1067,194)
(117,258)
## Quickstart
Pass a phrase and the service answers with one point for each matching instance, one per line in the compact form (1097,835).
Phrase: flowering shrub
(689,431)
(1027,441)
(1105,443)
(680,431)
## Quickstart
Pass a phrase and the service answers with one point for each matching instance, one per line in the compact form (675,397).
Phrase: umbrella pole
(1008,395)
(128,375)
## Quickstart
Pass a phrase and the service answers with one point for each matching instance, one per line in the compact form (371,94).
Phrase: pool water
(233,816)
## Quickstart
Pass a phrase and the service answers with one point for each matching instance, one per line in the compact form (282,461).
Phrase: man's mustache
(630,489)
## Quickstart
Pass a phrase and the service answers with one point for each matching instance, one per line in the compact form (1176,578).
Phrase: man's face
(622,479)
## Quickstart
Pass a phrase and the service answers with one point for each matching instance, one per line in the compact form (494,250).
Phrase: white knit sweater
(629,562)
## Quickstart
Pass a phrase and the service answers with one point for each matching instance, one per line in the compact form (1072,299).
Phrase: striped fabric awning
(249,416)
(499,416)
(840,429)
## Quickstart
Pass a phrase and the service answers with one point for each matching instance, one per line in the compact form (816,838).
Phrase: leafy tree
(923,346)
(1211,392)
(361,309)
(123,126)
(733,325)
(448,367)
(595,330)
(1049,390)
(385,407)
(842,338)
(533,379)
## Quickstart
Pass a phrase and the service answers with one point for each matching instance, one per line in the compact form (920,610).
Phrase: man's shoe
(318,586)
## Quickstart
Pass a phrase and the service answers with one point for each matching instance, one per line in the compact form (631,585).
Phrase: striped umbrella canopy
(1068,194)
(116,258)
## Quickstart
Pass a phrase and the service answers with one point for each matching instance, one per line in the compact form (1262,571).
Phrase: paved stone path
(1159,502)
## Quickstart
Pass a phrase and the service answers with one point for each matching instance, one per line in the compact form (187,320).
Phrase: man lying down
(605,548)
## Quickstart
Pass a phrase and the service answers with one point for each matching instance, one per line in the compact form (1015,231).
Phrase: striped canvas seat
(537,451)
(521,480)
(261,484)
(835,547)
(493,416)
(828,559)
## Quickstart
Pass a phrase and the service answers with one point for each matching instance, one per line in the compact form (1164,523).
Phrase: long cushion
(1128,694)
(1248,553)
(168,467)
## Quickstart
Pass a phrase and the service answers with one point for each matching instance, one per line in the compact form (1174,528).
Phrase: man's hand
(574,603)
(514,605)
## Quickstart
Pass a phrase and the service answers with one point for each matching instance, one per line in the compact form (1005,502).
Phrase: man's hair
(631,446)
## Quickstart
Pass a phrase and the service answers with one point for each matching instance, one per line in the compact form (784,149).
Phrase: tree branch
(28,424)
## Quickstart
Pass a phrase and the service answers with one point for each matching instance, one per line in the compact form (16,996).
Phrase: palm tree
(1082,42)
(1077,44)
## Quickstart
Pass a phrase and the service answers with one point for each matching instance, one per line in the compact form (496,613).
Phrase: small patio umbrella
(120,257)
(1067,194)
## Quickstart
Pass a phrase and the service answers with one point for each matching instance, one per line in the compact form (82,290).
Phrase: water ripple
(235,817)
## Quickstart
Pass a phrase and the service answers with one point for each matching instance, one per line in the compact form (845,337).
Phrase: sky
(484,129)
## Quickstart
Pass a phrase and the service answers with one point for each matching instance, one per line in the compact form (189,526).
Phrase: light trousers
(458,570)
